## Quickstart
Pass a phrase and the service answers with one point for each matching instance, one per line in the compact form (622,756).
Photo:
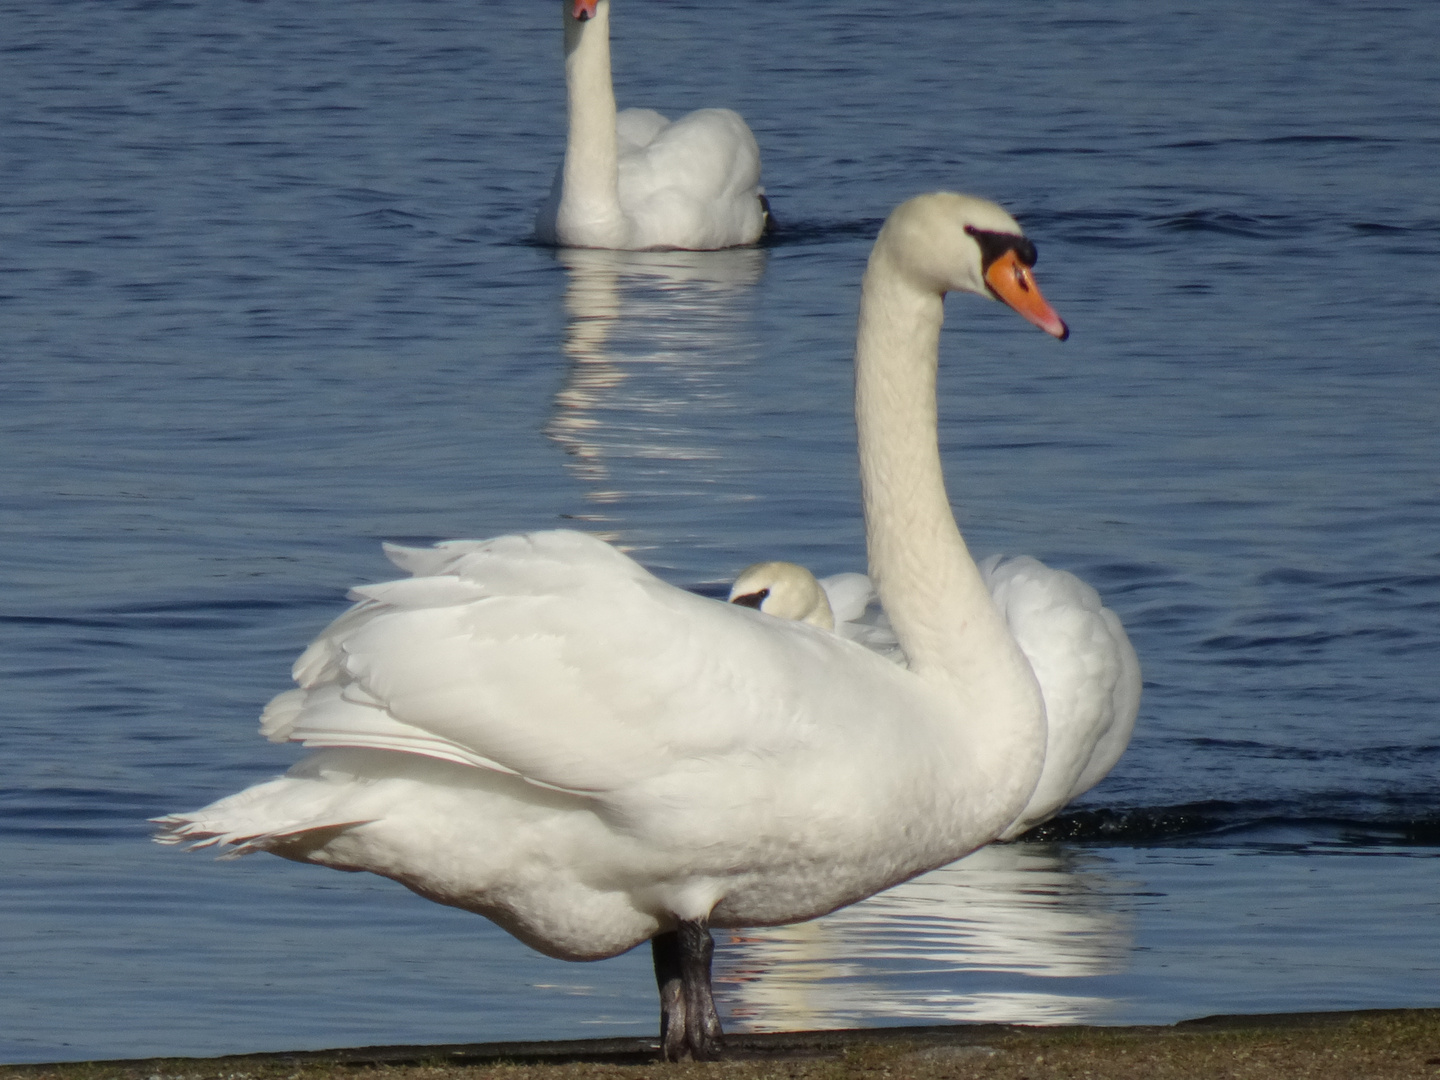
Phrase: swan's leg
(702,1024)
(665,950)
(689,1026)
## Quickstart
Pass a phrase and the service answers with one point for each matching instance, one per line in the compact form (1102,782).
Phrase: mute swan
(536,729)
(636,180)
(786,590)
(1088,672)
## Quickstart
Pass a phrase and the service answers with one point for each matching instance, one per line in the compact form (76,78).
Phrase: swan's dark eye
(754,599)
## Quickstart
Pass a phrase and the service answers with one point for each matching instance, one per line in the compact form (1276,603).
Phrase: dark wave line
(800,232)
(1344,821)
(1333,139)
(1129,229)
(1103,227)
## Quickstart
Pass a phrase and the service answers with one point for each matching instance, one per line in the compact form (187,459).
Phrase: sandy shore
(1348,1045)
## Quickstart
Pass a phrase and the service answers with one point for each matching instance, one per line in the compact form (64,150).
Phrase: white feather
(1088,673)
(634,180)
(537,729)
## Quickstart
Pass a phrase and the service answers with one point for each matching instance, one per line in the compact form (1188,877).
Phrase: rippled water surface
(266,300)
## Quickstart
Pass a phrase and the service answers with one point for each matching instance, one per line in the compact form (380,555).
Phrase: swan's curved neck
(951,631)
(590,186)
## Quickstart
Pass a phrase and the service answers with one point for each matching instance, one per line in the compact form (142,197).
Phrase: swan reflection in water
(653,339)
(983,939)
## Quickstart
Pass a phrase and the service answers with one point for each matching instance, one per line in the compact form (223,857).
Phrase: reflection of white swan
(536,729)
(1089,674)
(635,180)
(650,338)
(988,938)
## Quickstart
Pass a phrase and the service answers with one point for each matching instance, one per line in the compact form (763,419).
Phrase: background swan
(636,180)
(536,729)
(1088,671)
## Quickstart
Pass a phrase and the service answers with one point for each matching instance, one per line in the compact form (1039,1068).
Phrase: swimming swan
(1088,672)
(536,729)
(636,180)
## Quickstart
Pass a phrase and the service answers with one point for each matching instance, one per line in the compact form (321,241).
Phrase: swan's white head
(785,590)
(944,242)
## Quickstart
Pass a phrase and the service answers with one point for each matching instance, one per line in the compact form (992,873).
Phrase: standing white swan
(1088,672)
(537,729)
(636,180)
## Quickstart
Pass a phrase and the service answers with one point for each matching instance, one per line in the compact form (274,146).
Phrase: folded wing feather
(553,657)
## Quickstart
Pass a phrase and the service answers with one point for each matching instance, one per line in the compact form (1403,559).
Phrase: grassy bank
(1352,1046)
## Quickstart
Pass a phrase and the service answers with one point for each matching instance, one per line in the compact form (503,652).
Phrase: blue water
(266,300)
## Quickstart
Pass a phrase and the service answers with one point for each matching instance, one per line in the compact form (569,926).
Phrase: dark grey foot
(689,1026)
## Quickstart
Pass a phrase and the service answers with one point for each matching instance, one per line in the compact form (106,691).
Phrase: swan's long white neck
(590,188)
(955,638)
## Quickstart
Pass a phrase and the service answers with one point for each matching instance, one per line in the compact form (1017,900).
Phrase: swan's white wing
(1088,673)
(1125,704)
(637,128)
(555,657)
(694,183)
(859,616)
(850,594)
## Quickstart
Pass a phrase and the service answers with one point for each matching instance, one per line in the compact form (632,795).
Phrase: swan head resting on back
(786,590)
(536,729)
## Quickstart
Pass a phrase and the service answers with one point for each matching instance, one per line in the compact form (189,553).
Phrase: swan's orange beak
(1014,282)
(583,9)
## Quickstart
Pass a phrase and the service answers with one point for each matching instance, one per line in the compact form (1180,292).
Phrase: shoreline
(1380,1043)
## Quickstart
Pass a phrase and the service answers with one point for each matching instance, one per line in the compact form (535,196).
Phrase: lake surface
(266,300)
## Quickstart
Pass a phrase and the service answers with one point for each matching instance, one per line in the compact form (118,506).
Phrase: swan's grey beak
(1014,282)
(584,9)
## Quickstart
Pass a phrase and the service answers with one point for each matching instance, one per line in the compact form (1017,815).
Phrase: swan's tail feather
(198,833)
(283,816)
